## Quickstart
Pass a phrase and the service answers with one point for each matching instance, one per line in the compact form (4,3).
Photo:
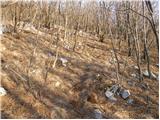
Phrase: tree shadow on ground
(54,101)
(50,98)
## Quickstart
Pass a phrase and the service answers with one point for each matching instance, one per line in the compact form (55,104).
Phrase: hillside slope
(74,90)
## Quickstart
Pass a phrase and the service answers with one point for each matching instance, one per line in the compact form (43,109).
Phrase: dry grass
(72,91)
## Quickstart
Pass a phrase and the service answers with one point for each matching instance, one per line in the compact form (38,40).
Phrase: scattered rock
(110,95)
(6,28)
(125,94)
(136,67)
(130,101)
(112,98)
(133,75)
(98,114)
(2,91)
(64,61)
(120,89)
(153,76)
(114,89)
(98,77)
(146,74)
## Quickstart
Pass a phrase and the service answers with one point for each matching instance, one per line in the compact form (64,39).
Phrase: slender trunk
(145,43)
(66,23)
(15,18)
(149,7)
(128,35)
(116,57)
(137,51)
(75,34)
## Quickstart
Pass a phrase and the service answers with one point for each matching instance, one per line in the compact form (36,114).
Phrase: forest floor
(74,90)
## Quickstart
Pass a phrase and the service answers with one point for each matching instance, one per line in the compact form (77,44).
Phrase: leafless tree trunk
(150,9)
(145,42)
(115,56)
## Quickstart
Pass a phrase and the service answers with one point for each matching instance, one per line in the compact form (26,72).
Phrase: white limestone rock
(146,74)
(136,67)
(2,91)
(133,75)
(64,61)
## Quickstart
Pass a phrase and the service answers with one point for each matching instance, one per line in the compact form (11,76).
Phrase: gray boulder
(110,96)
(98,114)
(125,94)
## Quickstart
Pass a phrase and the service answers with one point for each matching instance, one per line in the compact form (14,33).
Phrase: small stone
(136,67)
(98,77)
(153,76)
(125,94)
(114,89)
(98,114)
(2,91)
(112,98)
(64,61)
(133,75)
(130,101)
(1,32)
(146,74)
(110,95)
(119,90)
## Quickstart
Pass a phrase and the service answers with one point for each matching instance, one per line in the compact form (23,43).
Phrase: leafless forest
(79,59)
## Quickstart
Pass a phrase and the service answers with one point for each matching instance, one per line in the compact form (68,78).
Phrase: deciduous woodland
(79,59)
